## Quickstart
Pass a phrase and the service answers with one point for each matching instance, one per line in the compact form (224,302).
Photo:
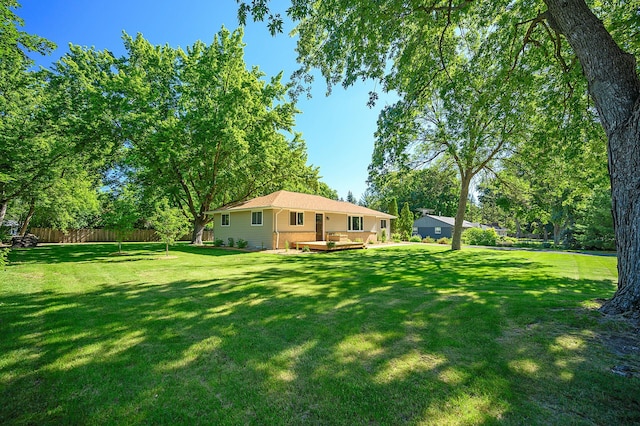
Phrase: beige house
(272,220)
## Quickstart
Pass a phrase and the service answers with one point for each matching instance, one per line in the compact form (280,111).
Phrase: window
(383,224)
(256,218)
(296,218)
(356,223)
(225,219)
(438,230)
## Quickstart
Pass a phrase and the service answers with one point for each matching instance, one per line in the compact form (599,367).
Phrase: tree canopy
(206,129)
(410,46)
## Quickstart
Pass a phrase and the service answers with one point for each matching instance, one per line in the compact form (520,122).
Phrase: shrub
(4,258)
(490,237)
(444,240)
(359,240)
(428,240)
(526,243)
(218,242)
(331,244)
(479,237)
(472,236)
(383,236)
(231,242)
(415,239)
(286,245)
(396,237)
(506,241)
(242,243)
(306,249)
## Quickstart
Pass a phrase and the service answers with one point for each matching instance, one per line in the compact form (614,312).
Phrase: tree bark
(456,239)
(27,220)
(3,210)
(615,88)
(624,167)
(556,233)
(198,229)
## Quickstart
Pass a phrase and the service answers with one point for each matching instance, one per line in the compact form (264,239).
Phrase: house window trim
(299,214)
(261,217)
(350,222)
(222,215)
(437,230)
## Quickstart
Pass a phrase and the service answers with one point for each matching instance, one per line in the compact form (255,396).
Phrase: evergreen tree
(350,198)
(393,210)
(405,223)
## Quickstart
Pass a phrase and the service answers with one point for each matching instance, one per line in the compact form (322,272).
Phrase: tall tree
(406,41)
(350,198)
(393,210)
(206,129)
(52,122)
(435,188)
(558,166)
(23,142)
(326,191)
(472,120)
(594,229)
(405,223)
(70,201)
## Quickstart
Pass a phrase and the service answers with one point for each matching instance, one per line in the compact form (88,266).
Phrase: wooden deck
(322,245)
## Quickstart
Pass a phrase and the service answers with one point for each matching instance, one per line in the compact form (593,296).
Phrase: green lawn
(403,335)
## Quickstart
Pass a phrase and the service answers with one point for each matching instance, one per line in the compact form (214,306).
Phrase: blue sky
(338,129)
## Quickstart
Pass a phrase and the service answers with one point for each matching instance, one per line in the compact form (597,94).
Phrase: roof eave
(233,209)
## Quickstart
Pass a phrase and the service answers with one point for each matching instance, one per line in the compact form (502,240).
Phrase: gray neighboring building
(12,225)
(438,226)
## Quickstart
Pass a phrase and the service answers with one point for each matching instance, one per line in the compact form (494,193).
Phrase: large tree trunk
(3,210)
(456,239)
(27,220)
(615,88)
(624,166)
(556,233)
(198,229)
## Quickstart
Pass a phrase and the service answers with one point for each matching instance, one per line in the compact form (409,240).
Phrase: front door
(319,227)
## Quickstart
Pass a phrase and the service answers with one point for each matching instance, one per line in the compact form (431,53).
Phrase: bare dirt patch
(621,336)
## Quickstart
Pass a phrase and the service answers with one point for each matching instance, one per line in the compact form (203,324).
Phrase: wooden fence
(49,235)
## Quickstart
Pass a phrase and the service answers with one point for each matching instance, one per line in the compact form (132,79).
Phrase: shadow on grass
(106,252)
(376,337)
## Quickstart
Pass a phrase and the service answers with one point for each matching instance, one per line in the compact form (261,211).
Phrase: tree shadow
(106,252)
(375,337)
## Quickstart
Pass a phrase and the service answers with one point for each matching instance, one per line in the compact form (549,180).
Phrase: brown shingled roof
(298,201)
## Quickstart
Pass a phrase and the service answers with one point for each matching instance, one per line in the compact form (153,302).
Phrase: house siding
(340,223)
(387,230)
(241,228)
(294,233)
(431,232)
(426,227)
(273,220)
